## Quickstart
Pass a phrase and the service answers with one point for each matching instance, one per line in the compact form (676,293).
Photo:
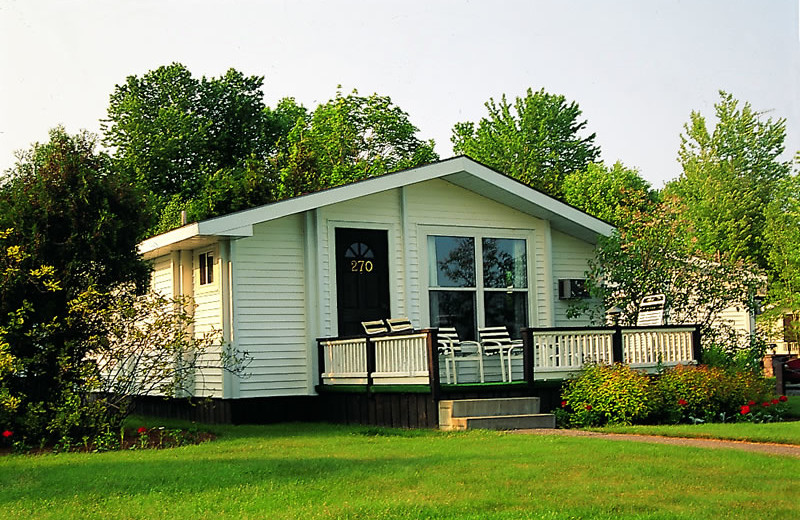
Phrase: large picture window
(498,296)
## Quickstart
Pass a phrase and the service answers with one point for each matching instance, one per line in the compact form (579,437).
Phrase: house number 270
(361,266)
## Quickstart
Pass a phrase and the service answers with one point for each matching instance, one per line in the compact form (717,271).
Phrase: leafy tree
(347,139)
(729,177)
(536,140)
(656,253)
(612,194)
(146,346)
(169,128)
(69,211)
(177,136)
(782,229)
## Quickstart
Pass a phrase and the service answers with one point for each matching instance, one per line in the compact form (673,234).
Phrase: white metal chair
(371,328)
(456,351)
(399,325)
(497,340)
(651,311)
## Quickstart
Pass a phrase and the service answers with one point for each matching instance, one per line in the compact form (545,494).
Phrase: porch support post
(320,361)
(370,346)
(696,351)
(616,346)
(432,346)
(527,355)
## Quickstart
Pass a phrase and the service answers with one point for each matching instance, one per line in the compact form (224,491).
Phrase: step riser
(482,407)
(504,423)
(493,414)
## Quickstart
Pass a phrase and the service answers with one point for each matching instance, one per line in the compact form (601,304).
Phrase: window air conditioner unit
(570,289)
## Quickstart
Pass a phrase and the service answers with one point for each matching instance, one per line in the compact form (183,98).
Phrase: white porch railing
(549,354)
(646,347)
(401,359)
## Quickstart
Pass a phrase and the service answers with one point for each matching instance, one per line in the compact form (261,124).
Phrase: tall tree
(729,177)
(175,135)
(612,194)
(537,140)
(782,230)
(72,218)
(347,139)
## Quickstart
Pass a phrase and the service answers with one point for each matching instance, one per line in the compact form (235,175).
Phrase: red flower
(783,399)
(142,430)
(682,402)
(563,404)
(765,404)
(7,434)
(745,410)
(751,402)
(775,401)
(588,407)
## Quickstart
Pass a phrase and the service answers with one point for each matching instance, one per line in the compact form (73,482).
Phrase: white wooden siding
(270,309)
(443,204)
(161,278)
(570,260)
(208,319)
(378,211)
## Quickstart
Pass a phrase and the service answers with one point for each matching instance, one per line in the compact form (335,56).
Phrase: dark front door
(362,278)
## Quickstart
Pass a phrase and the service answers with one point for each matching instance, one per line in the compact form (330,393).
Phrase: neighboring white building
(450,243)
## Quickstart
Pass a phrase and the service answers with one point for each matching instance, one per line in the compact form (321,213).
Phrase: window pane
(454,309)
(452,261)
(507,309)
(505,263)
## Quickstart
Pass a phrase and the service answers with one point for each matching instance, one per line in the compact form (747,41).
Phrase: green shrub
(618,394)
(604,394)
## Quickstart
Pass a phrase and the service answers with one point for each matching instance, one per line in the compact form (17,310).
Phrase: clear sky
(636,68)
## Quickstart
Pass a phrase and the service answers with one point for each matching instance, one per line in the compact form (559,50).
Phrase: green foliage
(170,129)
(782,230)
(612,194)
(344,140)
(618,394)
(73,227)
(655,253)
(729,177)
(536,140)
(604,394)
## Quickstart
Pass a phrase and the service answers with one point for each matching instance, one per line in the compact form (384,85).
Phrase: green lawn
(312,471)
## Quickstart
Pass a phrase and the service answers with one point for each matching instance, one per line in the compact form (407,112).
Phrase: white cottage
(452,243)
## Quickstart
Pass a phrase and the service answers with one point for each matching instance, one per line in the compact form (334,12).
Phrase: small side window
(206,268)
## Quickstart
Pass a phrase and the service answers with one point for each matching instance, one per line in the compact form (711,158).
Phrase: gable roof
(460,171)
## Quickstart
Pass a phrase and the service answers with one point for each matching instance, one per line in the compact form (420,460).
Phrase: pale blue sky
(637,68)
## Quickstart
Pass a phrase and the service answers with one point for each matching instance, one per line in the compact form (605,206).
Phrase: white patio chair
(371,328)
(399,325)
(497,340)
(456,351)
(651,311)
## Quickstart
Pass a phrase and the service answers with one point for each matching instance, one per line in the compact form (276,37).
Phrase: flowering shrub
(618,394)
(604,394)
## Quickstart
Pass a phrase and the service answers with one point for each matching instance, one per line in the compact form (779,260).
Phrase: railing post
(616,346)
(777,371)
(432,346)
(527,355)
(320,361)
(696,351)
(370,346)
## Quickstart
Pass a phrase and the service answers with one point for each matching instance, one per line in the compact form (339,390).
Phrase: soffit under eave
(190,243)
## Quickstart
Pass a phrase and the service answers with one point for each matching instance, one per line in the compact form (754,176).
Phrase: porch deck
(549,354)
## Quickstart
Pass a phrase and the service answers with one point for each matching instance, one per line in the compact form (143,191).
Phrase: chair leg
(480,366)
(502,365)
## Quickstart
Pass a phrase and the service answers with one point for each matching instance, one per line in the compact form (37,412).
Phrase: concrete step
(504,422)
(510,413)
(496,406)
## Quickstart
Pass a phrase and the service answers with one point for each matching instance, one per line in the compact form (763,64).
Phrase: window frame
(479,290)
(206,275)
